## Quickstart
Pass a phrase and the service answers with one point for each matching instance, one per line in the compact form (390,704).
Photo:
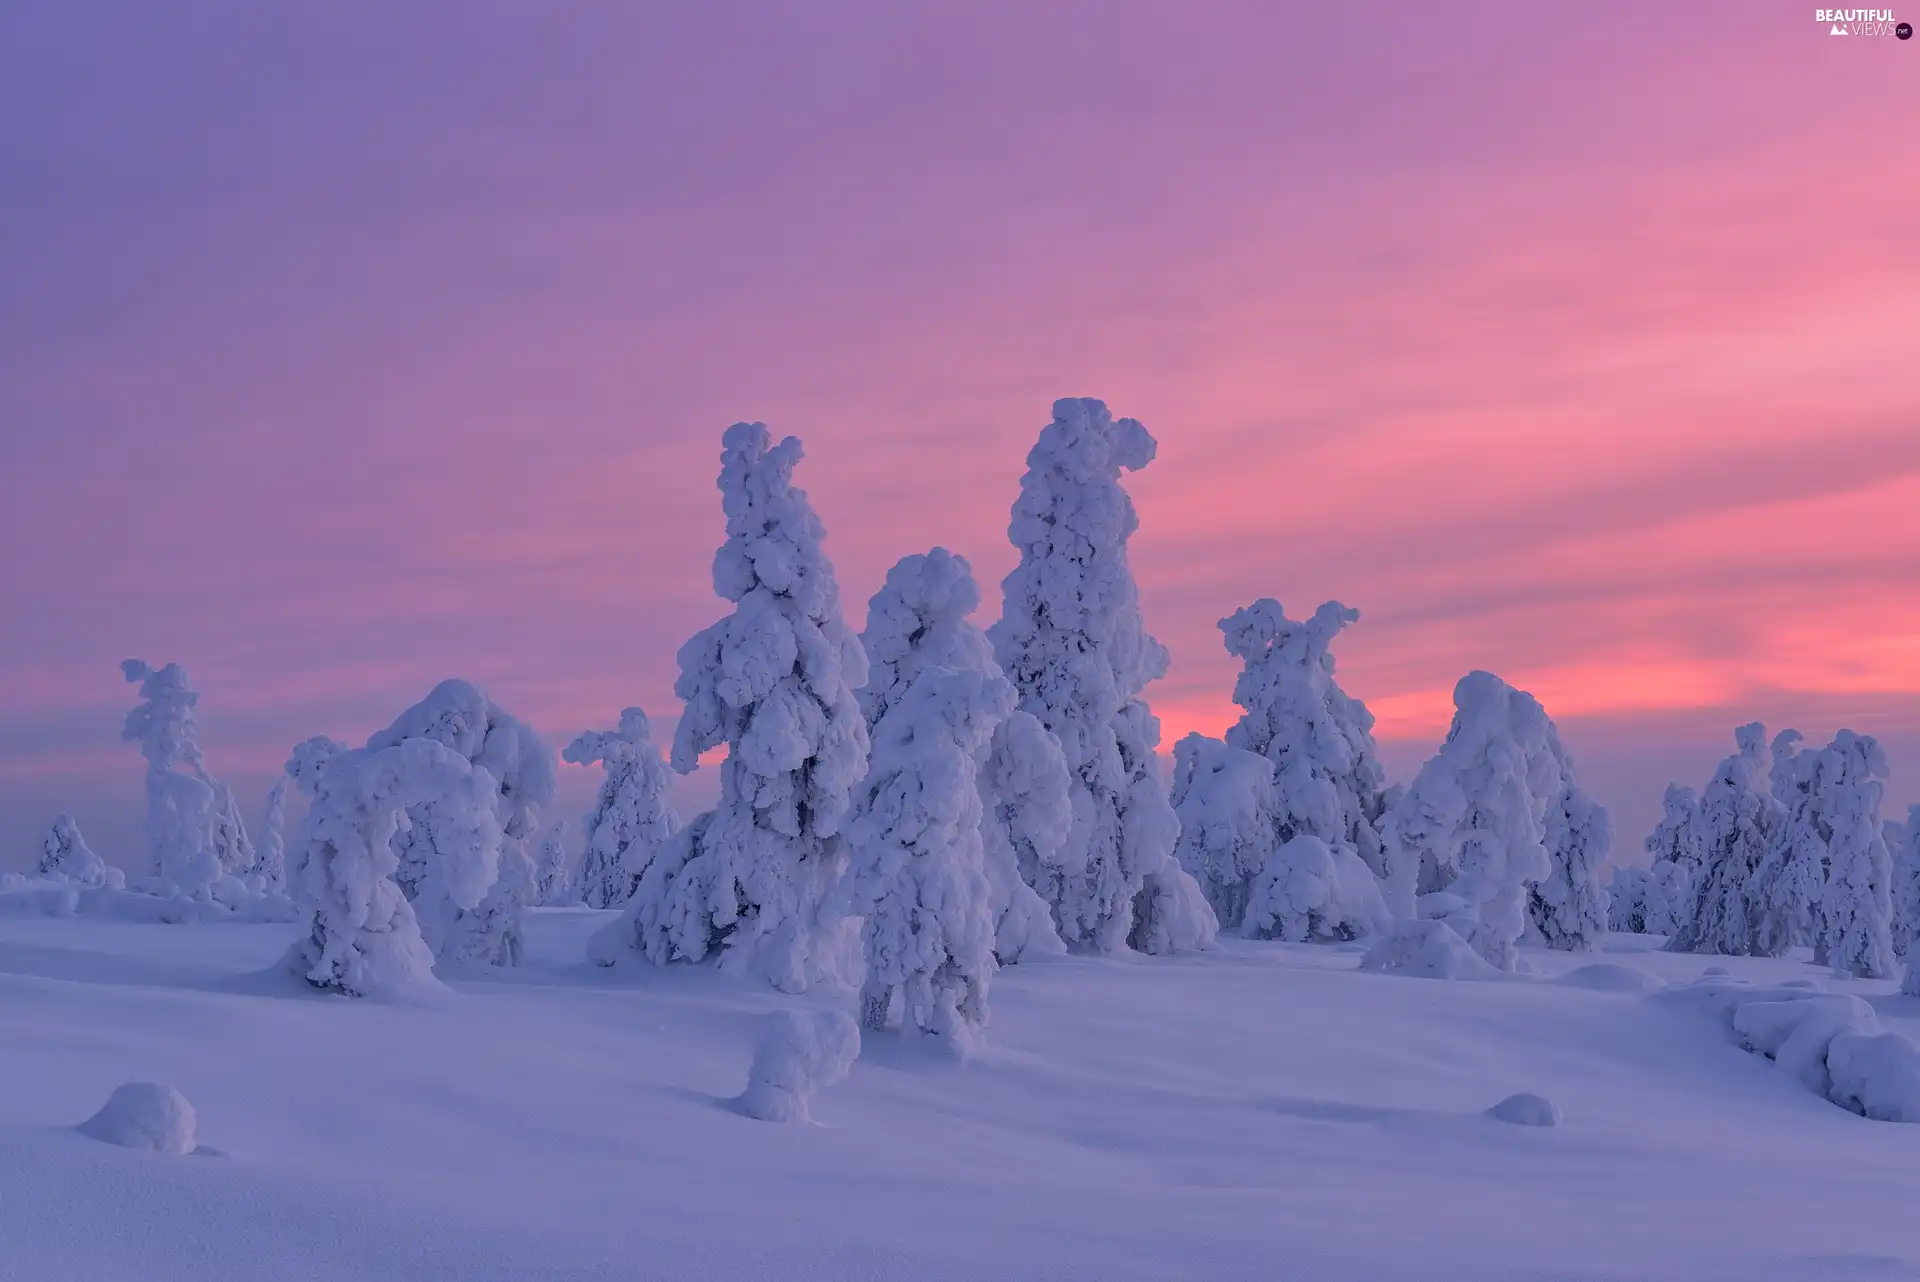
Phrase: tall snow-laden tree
(555,884)
(1328,780)
(1569,906)
(1737,819)
(64,853)
(1786,886)
(1225,802)
(467,886)
(1903,844)
(270,863)
(631,821)
(774,683)
(918,619)
(362,937)
(918,879)
(1856,905)
(181,797)
(1072,641)
(1473,827)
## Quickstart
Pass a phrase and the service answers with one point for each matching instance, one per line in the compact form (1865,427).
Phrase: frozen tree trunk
(1327,778)
(919,619)
(918,879)
(631,821)
(1072,641)
(1473,825)
(774,683)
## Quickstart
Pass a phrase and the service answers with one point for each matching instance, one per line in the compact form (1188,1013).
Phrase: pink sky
(343,353)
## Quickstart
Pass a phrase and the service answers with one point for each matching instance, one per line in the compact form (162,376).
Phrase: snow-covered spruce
(1655,900)
(270,864)
(181,799)
(918,879)
(1856,905)
(1568,908)
(918,619)
(1224,800)
(554,886)
(1785,887)
(362,937)
(1072,641)
(1738,817)
(774,683)
(1903,847)
(1474,823)
(631,821)
(64,854)
(469,875)
(1310,892)
(1327,777)
(795,1055)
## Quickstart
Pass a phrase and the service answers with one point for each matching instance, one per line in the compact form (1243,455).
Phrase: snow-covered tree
(555,885)
(631,821)
(270,863)
(1569,906)
(1785,769)
(1856,906)
(227,833)
(1312,892)
(1328,779)
(774,683)
(1903,845)
(181,798)
(918,619)
(362,936)
(467,884)
(918,878)
(1225,802)
(1737,818)
(1072,641)
(1785,889)
(64,853)
(1473,827)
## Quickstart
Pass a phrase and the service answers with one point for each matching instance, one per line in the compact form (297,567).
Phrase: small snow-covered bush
(1311,891)
(1876,1075)
(144,1115)
(64,854)
(1427,950)
(795,1055)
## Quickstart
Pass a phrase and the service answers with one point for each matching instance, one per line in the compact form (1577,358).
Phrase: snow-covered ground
(1267,1111)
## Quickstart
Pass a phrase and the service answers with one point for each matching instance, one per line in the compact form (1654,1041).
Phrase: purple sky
(344,350)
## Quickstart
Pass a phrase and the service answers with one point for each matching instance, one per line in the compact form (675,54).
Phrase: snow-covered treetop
(1676,838)
(1319,738)
(1071,637)
(919,619)
(309,762)
(774,680)
(592,746)
(164,725)
(459,715)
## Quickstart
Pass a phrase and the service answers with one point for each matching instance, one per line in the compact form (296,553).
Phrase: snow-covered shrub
(1224,799)
(181,796)
(64,854)
(1876,1075)
(795,1055)
(1569,906)
(1737,820)
(918,878)
(1903,847)
(1026,796)
(554,871)
(918,619)
(774,682)
(1856,906)
(631,820)
(270,864)
(144,1115)
(1072,641)
(1474,823)
(1426,950)
(362,936)
(1312,891)
(1328,781)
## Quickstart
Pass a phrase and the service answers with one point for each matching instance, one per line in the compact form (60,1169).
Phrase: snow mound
(1608,977)
(795,1054)
(144,1115)
(1831,1042)
(1526,1109)
(1427,950)
(45,897)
